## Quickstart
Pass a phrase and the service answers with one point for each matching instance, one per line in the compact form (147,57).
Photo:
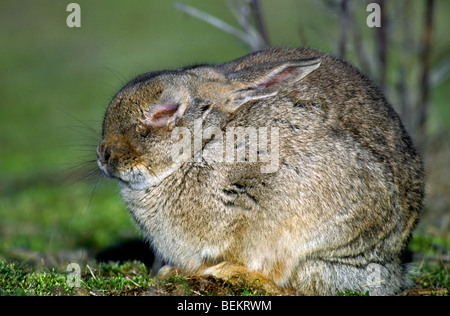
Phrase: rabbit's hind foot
(239,274)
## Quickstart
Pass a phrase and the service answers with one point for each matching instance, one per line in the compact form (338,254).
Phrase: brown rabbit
(286,164)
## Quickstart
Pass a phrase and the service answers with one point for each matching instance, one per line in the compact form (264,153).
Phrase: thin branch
(382,42)
(260,24)
(424,100)
(344,13)
(210,19)
(92,273)
(241,10)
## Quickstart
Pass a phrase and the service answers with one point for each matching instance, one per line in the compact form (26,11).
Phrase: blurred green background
(56,82)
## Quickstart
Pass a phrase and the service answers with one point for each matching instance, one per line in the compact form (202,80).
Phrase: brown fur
(338,211)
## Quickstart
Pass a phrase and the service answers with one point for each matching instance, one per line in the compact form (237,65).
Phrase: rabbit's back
(346,103)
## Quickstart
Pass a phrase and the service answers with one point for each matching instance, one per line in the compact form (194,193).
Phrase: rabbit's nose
(103,157)
(108,159)
(108,156)
(108,153)
(114,154)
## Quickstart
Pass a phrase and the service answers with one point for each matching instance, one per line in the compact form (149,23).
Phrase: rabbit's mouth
(136,178)
(140,178)
(103,168)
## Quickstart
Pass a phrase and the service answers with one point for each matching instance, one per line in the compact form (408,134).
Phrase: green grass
(17,279)
(135,279)
(55,83)
(128,279)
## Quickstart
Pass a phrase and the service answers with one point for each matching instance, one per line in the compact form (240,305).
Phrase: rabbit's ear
(164,114)
(265,80)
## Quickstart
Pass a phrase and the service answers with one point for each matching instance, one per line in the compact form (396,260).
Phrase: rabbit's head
(137,140)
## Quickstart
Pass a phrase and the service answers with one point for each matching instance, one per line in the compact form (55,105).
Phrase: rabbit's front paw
(167,271)
(238,274)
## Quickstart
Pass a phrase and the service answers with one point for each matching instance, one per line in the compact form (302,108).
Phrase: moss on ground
(135,279)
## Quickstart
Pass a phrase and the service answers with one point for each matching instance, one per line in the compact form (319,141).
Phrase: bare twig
(344,14)
(242,12)
(424,98)
(92,273)
(208,18)
(382,42)
(260,24)
(129,279)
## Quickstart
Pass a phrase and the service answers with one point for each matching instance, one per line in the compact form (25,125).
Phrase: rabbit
(323,199)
